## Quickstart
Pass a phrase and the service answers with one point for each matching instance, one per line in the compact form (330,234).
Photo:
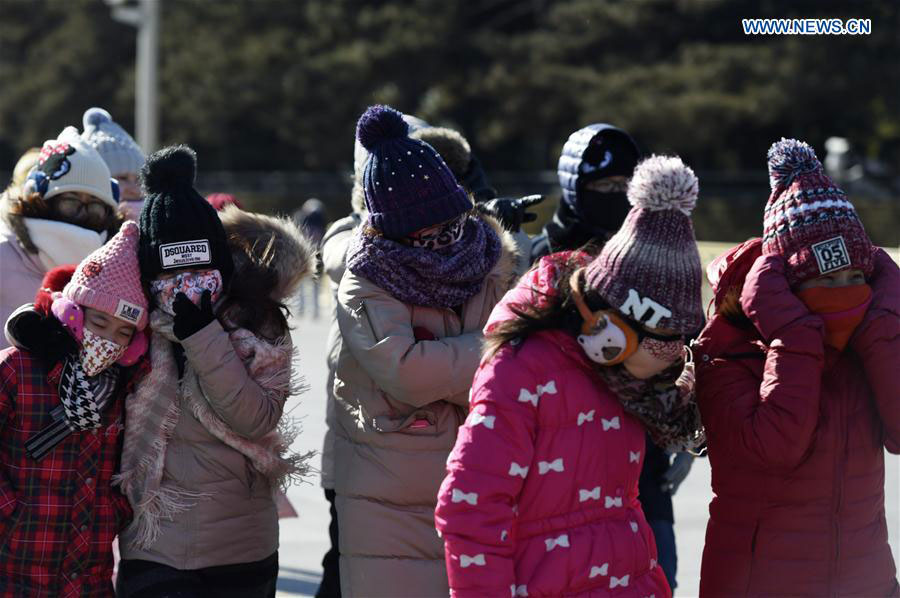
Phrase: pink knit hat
(109,279)
(650,270)
(808,219)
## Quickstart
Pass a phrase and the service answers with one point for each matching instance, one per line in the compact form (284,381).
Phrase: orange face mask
(842,309)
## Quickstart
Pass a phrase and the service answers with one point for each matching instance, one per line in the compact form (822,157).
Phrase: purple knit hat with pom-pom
(808,219)
(408,185)
(650,270)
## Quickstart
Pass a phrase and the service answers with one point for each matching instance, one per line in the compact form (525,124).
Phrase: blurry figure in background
(798,385)
(206,445)
(311,219)
(79,350)
(222,200)
(65,209)
(122,155)
(26,162)
(422,275)
(594,168)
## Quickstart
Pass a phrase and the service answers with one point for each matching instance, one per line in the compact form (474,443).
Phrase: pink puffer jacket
(541,494)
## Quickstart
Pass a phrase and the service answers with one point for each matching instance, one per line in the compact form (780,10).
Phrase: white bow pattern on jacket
(611,424)
(618,581)
(555,465)
(613,502)
(526,396)
(562,540)
(601,570)
(460,496)
(516,469)
(487,420)
(634,457)
(586,417)
(466,560)
(584,495)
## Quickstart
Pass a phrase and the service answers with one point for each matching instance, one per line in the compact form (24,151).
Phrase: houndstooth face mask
(439,236)
(98,353)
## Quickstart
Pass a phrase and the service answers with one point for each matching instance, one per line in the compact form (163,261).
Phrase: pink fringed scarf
(155,407)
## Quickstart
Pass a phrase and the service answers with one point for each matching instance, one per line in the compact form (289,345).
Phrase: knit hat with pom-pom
(112,142)
(808,219)
(650,270)
(179,228)
(408,185)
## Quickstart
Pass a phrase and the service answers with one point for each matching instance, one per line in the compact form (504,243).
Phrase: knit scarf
(83,398)
(61,243)
(442,277)
(666,404)
(155,408)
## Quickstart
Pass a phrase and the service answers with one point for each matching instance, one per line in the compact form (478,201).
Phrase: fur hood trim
(270,243)
(505,268)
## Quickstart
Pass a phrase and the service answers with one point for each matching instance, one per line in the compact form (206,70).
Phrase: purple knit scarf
(444,277)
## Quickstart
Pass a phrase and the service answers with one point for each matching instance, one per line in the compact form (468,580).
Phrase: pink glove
(767,298)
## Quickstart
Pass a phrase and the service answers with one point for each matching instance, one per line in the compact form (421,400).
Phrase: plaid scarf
(155,408)
(666,404)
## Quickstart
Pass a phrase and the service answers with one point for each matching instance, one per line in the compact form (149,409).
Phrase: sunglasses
(70,206)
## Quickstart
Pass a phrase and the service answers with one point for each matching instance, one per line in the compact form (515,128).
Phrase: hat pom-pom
(169,169)
(378,124)
(663,183)
(789,158)
(94,117)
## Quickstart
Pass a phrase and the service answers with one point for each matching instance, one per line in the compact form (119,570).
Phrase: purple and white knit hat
(650,270)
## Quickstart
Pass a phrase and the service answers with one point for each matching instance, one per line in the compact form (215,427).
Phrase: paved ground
(304,539)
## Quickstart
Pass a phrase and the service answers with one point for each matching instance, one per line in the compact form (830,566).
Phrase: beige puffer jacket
(236,520)
(399,404)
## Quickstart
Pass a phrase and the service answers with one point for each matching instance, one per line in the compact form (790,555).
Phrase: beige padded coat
(389,466)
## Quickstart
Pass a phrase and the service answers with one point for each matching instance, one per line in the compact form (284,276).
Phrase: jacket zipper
(839,495)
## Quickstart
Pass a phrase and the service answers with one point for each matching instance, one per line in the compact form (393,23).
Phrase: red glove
(885,283)
(767,298)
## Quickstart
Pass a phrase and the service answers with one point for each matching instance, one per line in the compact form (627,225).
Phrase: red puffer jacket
(796,439)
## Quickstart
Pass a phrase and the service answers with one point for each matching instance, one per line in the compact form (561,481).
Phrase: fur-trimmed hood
(505,268)
(272,244)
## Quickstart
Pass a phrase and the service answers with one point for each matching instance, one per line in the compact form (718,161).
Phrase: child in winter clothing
(541,494)
(422,276)
(76,355)
(65,209)
(122,155)
(799,390)
(206,446)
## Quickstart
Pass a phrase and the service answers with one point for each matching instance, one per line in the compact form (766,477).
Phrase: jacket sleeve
(770,423)
(241,403)
(378,331)
(8,389)
(485,473)
(877,343)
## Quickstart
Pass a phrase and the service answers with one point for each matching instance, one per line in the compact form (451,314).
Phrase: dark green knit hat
(179,229)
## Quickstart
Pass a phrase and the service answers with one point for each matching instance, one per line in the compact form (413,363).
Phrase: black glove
(43,336)
(190,319)
(511,211)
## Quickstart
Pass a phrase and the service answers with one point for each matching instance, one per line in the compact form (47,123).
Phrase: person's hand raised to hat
(511,212)
(190,319)
(767,298)
(885,283)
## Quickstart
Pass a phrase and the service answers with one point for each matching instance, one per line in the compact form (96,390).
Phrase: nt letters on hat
(184,253)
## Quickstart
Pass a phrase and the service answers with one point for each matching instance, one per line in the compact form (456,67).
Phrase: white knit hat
(112,142)
(67,164)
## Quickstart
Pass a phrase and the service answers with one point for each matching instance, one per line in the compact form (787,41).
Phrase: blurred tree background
(277,85)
